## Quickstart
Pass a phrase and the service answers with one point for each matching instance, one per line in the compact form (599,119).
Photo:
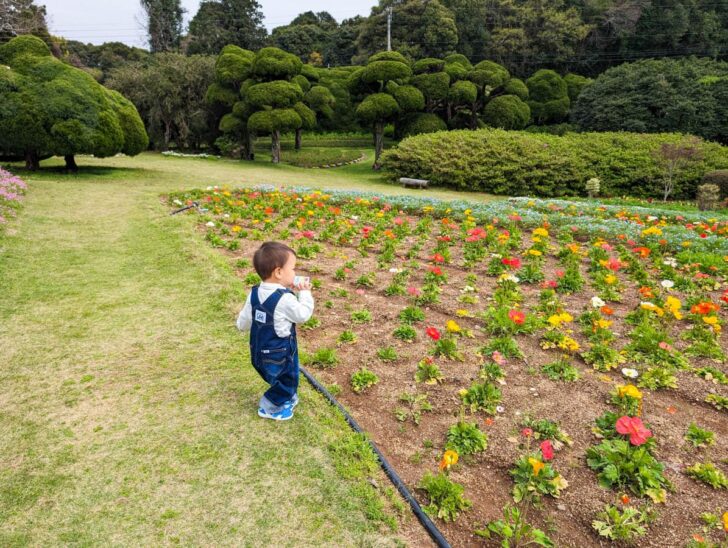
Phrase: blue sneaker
(283,415)
(293,403)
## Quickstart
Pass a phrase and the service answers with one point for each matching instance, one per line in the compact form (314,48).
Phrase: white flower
(467,289)
(651,218)
(209,188)
(227,215)
(354,217)
(500,409)
(667,284)
(178,202)
(510,278)
(597,302)
(630,373)
(395,270)
(210,224)
(670,261)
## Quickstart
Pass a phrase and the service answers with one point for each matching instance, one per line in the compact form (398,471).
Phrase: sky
(99,21)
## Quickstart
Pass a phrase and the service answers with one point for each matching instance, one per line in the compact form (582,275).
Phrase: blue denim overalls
(273,357)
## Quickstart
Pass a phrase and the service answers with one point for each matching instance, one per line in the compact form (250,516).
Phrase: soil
(414,450)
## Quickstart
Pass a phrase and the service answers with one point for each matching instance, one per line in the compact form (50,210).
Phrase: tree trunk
(70,163)
(299,131)
(378,143)
(275,147)
(448,114)
(167,135)
(32,162)
(246,152)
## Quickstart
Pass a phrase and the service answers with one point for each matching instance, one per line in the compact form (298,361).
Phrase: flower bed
(549,367)
(12,189)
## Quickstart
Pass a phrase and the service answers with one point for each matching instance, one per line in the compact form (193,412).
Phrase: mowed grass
(127,402)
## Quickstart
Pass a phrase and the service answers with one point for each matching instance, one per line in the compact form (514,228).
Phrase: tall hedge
(519,163)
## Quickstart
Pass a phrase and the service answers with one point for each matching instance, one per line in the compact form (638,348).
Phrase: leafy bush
(514,530)
(718,178)
(652,95)
(416,124)
(523,163)
(699,437)
(466,438)
(708,473)
(621,465)
(507,112)
(363,379)
(446,497)
(627,524)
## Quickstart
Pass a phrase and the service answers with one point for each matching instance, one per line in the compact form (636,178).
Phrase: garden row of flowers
(12,189)
(668,268)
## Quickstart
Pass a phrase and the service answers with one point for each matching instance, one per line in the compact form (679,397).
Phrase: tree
(18,17)
(673,159)
(658,95)
(470,18)
(164,23)
(419,29)
(382,85)
(169,92)
(49,108)
(548,97)
(219,23)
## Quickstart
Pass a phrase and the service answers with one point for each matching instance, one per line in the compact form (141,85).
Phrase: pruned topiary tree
(381,85)
(49,108)
(548,97)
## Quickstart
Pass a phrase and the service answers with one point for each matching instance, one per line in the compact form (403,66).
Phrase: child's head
(275,262)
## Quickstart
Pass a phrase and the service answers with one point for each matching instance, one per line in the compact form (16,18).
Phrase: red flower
(547,450)
(433,333)
(614,264)
(366,230)
(437,258)
(633,426)
(514,263)
(527,432)
(436,270)
(560,273)
(308,234)
(516,316)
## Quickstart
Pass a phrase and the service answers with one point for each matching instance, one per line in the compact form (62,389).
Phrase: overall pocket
(272,361)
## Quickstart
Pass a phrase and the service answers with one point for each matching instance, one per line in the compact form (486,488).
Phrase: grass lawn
(127,403)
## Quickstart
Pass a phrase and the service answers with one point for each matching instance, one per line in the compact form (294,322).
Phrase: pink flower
(433,333)
(547,450)
(360,292)
(413,291)
(633,426)
(498,358)
(527,432)
(308,234)
(665,346)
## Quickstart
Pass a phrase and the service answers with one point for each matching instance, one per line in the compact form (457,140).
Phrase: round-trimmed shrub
(548,97)
(434,86)
(463,93)
(506,112)
(279,119)
(381,71)
(575,85)
(271,63)
(409,98)
(378,106)
(428,64)
(233,65)
(422,122)
(488,73)
(516,87)
(278,93)
(519,163)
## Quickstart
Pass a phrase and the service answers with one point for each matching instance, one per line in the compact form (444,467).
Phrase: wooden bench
(413,183)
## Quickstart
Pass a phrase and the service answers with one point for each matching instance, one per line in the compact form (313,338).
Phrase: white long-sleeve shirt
(290,309)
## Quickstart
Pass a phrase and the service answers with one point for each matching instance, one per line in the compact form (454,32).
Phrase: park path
(126,413)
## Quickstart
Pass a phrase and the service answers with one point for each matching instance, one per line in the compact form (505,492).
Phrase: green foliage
(548,97)
(409,98)
(462,92)
(481,396)
(405,333)
(575,84)
(523,163)
(347,336)
(275,64)
(717,401)
(434,86)
(699,437)
(276,94)
(412,314)
(658,95)
(622,525)
(517,87)
(561,370)
(708,473)
(233,65)
(323,357)
(387,354)
(507,112)
(422,123)
(718,178)
(531,483)
(268,121)
(465,438)
(515,531)
(428,372)
(416,405)
(488,73)
(446,497)
(376,107)
(363,379)
(622,465)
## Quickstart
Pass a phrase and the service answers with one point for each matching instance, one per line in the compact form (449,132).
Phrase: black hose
(180,210)
(426,522)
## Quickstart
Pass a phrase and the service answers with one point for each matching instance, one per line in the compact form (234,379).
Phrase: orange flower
(625,499)
(607,311)
(536,464)
(646,292)
(705,307)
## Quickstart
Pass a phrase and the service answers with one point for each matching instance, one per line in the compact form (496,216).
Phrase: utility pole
(389,28)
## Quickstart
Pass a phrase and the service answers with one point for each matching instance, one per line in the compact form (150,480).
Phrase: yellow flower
(629,390)
(536,464)
(603,324)
(467,212)
(380,214)
(427,209)
(712,321)
(534,252)
(653,308)
(574,248)
(555,320)
(237,228)
(542,232)
(673,304)
(448,459)
(725,521)
(686,244)
(652,231)
(610,279)
(452,326)
(462,313)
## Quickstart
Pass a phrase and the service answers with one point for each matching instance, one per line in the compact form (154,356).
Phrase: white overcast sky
(99,21)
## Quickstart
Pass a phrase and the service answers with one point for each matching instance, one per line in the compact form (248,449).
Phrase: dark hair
(269,256)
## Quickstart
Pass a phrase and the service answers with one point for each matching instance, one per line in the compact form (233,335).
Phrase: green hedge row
(519,163)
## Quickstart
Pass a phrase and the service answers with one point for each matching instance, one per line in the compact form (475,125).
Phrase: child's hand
(304,286)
